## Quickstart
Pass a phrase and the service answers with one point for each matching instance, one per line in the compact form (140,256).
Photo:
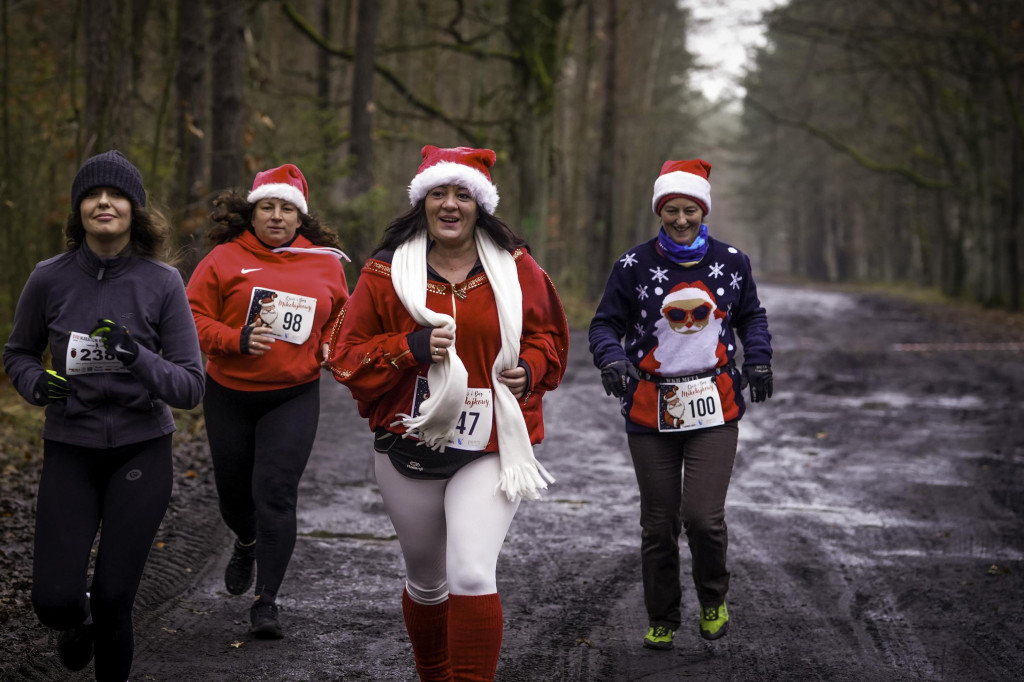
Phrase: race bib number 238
(87,355)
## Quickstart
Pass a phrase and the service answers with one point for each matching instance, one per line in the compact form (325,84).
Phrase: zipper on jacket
(104,378)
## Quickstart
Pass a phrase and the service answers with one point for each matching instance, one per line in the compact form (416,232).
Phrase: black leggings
(126,488)
(260,442)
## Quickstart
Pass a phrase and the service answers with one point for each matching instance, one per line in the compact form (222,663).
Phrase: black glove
(759,377)
(51,387)
(615,377)
(117,340)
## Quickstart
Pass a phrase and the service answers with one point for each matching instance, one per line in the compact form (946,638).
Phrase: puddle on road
(781,300)
(1004,554)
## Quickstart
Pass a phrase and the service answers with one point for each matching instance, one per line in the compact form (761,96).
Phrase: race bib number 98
(473,428)
(87,355)
(689,405)
(289,316)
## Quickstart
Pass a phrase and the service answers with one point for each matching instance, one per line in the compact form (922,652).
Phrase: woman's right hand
(260,340)
(441,340)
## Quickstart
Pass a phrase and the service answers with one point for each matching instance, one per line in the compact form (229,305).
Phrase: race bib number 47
(473,428)
(689,405)
(289,316)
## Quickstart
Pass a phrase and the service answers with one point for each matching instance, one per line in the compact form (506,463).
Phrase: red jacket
(221,294)
(370,350)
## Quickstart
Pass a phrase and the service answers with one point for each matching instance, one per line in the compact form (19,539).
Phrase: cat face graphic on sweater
(688,331)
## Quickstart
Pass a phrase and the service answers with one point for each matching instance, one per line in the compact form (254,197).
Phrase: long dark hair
(232,215)
(412,221)
(150,233)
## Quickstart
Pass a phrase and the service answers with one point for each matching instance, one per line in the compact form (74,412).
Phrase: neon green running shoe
(714,621)
(658,637)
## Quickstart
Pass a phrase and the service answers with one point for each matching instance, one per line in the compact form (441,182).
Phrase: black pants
(127,489)
(260,442)
(683,478)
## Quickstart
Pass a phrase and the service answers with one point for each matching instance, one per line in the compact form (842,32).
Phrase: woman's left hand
(326,351)
(515,379)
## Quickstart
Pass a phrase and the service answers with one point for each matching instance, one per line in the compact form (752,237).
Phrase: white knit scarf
(521,474)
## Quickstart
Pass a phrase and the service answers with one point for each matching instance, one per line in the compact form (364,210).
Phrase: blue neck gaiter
(684,254)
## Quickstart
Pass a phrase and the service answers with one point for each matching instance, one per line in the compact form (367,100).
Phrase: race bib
(87,355)
(473,428)
(689,405)
(289,316)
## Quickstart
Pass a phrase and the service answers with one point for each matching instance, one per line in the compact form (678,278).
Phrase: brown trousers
(683,479)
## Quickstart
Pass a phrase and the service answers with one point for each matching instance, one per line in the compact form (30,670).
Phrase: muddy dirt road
(876,522)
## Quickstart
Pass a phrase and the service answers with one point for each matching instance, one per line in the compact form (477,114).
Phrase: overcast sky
(723,32)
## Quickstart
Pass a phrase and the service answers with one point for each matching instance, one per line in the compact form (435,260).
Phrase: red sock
(428,632)
(474,636)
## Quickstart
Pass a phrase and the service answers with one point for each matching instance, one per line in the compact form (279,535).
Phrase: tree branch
(432,110)
(839,145)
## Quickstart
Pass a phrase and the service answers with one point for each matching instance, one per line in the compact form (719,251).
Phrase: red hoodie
(299,294)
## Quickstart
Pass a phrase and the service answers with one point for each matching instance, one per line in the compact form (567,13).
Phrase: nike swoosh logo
(118,349)
(246,271)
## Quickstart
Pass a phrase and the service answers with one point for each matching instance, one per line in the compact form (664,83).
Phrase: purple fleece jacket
(69,293)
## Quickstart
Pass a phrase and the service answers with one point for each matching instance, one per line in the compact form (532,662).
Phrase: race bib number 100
(689,405)
(87,355)
(473,428)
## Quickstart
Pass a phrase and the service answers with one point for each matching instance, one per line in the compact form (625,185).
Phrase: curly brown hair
(232,215)
(150,233)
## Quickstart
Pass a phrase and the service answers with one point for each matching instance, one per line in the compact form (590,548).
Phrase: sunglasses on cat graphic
(681,317)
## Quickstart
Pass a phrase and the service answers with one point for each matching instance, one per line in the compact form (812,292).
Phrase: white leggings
(450,531)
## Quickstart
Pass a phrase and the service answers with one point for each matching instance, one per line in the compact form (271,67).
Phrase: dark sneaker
(74,646)
(263,616)
(658,637)
(714,621)
(239,574)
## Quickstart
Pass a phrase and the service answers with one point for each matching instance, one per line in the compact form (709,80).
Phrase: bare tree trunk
(323,89)
(189,205)
(7,170)
(1015,211)
(604,191)
(108,75)
(572,146)
(361,129)
(533,30)
(12,236)
(227,154)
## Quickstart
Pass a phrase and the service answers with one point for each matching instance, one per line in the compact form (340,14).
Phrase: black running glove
(117,340)
(615,377)
(51,387)
(759,377)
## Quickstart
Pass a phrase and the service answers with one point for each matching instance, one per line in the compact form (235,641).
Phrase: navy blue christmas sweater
(673,321)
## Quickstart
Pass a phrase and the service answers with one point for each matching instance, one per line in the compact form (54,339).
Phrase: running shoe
(75,646)
(263,616)
(658,637)
(239,574)
(714,621)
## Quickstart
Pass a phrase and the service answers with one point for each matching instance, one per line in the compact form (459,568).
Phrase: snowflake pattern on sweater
(671,321)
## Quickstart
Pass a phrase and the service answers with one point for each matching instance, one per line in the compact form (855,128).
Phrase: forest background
(875,140)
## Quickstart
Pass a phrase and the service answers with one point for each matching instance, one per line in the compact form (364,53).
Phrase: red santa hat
(683,179)
(685,291)
(284,182)
(462,166)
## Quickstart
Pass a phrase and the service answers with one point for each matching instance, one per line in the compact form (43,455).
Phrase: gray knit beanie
(109,169)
